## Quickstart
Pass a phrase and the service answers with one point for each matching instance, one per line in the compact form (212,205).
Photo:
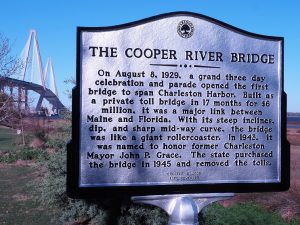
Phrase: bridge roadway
(44,92)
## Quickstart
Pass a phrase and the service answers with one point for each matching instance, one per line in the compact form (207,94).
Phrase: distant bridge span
(33,77)
(24,87)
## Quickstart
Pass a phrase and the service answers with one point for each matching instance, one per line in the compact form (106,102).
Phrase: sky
(56,22)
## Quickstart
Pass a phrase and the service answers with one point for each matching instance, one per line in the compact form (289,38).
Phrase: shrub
(55,143)
(146,215)
(241,214)
(8,158)
(104,211)
(24,154)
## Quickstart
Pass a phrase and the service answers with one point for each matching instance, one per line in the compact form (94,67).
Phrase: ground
(17,204)
(17,194)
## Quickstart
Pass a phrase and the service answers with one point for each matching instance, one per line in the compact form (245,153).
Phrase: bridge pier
(26,100)
(39,103)
(22,98)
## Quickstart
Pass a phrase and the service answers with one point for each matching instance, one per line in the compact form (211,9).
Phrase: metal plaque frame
(73,148)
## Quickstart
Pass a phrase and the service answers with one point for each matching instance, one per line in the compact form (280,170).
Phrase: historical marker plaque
(178,103)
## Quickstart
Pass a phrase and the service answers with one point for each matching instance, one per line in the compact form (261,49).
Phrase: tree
(7,108)
(9,66)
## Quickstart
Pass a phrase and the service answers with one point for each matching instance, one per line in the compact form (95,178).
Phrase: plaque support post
(182,209)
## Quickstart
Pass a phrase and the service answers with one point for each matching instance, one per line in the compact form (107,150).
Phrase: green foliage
(53,187)
(33,154)
(24,154)
(241,214)
(55,143)
(96,211)
(146,215)
(104,211)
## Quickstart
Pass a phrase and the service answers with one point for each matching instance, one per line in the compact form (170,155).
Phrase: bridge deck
(44,92)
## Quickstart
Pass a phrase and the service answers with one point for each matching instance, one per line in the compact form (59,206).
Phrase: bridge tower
(33,72)
(36,71)
(49,79)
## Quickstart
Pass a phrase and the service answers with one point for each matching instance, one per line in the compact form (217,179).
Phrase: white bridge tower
(33,70)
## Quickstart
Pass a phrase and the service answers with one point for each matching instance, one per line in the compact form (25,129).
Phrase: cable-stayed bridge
(34,78)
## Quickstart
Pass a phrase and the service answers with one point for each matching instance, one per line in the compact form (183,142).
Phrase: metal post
(182,209)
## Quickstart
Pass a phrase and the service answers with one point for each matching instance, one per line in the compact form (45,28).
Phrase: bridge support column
(26,99)
(22,98)
(39,104)
(19,98)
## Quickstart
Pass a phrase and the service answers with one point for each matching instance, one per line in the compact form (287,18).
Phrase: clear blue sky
(56,22)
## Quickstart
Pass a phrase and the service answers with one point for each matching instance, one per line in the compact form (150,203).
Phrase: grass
(17,204)
(10,151)
(24,154)
(242,214)
(7,139)
(286,204)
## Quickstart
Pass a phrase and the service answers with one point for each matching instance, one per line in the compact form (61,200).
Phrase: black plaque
(177,103)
